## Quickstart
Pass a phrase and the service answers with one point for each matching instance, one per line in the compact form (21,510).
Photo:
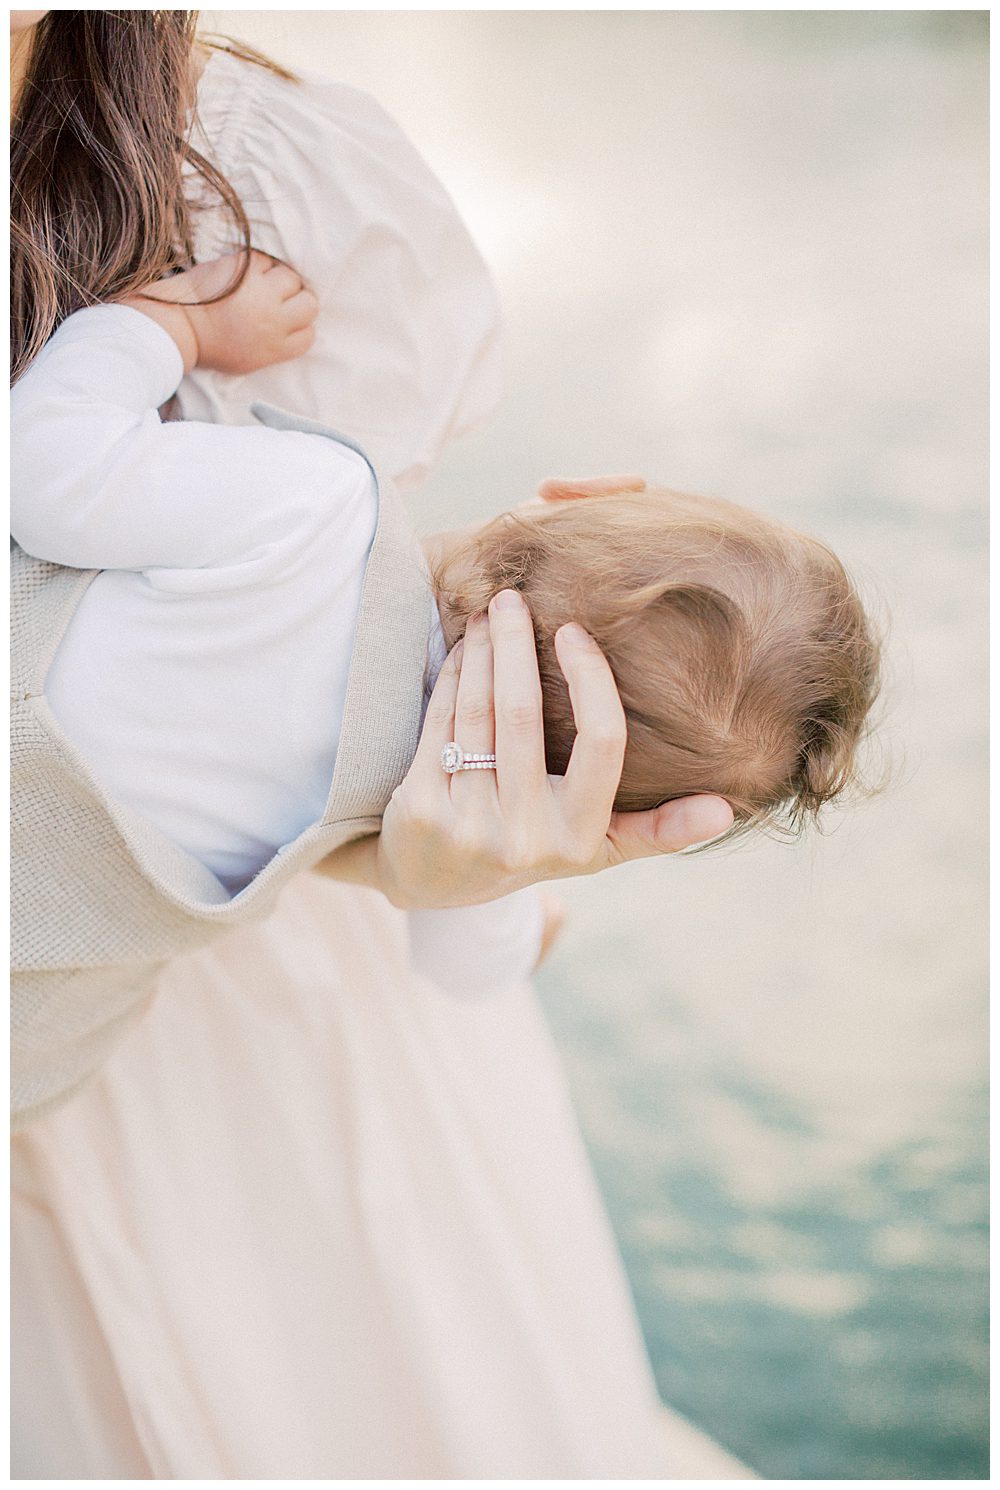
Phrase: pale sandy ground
(745,253)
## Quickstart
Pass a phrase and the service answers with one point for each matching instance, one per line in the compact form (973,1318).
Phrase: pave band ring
(454,758)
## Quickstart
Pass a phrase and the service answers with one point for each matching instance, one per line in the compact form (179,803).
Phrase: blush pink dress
(317,1218)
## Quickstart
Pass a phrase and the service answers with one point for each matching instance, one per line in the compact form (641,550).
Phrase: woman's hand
(476,835)
(268,318)
(567,488)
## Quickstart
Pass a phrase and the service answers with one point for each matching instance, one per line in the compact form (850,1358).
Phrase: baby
(742,654)
(741,651)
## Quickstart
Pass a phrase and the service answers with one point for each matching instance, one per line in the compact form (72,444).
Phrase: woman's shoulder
(407,338)
(299,124)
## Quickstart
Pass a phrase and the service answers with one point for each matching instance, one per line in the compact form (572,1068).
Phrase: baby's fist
(267,319)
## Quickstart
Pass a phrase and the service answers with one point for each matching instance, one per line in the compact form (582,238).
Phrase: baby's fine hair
(743,656)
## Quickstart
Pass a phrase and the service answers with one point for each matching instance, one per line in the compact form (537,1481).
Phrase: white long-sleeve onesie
(203,674)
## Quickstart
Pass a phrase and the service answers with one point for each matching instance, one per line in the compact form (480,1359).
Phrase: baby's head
(742,654)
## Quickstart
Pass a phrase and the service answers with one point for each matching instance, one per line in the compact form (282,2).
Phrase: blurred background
(745,254)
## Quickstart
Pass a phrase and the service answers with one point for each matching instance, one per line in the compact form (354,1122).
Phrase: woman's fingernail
(575,635)
(508,600)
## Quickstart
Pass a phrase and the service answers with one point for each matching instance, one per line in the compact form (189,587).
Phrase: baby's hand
(267,319)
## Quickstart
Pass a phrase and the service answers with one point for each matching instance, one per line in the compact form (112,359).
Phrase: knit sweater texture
(101,900)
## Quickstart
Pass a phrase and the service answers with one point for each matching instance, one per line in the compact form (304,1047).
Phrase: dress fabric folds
(316,1218)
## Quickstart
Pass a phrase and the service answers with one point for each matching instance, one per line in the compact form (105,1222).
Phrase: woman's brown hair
(743,656)
(100,151)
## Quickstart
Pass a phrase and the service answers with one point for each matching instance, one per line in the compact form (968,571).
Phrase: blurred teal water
(833,1328)
(746,254)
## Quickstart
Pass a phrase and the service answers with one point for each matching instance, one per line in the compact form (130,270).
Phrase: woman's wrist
(355,863)
(366,861)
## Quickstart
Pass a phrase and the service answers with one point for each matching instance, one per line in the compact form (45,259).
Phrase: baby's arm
(98,481)
(267,318)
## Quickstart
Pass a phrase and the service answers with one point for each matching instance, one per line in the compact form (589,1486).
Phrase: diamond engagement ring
(454,758)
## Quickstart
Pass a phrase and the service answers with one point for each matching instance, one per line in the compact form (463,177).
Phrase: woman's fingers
(439,725)
(595,764)
(474,727)
(667,829)
(520,738)
(567,488)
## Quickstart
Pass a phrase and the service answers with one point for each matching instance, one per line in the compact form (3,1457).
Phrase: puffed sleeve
(407,338)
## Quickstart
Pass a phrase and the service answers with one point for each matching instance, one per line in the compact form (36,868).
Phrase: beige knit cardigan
(100,899)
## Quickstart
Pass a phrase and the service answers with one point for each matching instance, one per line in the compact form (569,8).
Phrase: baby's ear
(825,765)
(566,489)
